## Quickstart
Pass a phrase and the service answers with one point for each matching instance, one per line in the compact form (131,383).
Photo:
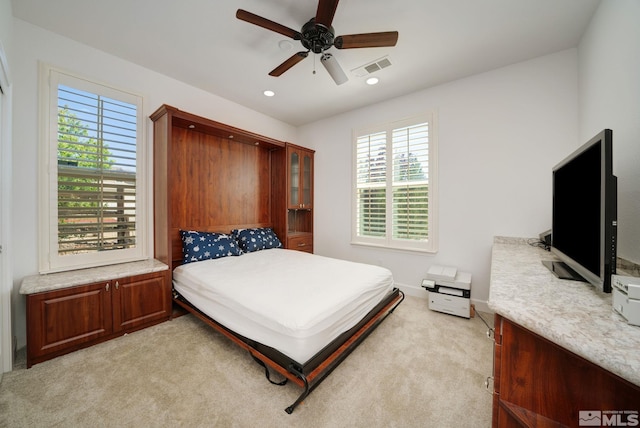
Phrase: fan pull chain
(314,64)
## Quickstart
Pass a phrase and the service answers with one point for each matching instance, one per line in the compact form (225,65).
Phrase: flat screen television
(584,214)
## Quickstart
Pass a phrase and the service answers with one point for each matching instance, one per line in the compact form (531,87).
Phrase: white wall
(33,44)
(609,59)
(6,269)
(499,135)
(6,23)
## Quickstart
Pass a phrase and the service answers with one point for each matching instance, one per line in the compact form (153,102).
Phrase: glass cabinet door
(306,180)
(294,179)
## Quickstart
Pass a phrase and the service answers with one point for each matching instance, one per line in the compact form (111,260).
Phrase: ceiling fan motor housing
(316,37)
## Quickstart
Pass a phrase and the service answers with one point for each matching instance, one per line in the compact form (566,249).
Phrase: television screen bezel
(608,216)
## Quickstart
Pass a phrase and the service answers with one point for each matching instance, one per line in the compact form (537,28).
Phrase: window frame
(431,244)
(49,259)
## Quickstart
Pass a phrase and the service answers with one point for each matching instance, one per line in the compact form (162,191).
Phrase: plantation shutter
(395,187)
(410,184)
(371,154)
(96,166)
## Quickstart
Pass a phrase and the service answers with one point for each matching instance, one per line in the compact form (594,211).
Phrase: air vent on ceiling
(372,67)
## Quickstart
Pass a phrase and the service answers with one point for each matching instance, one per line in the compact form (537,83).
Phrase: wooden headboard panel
(207,177)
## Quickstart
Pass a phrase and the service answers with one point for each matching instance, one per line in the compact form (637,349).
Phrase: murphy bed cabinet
(65,318)
(254,181)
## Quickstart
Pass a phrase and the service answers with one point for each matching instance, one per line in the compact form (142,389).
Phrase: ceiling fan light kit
(333,68)
(317,36)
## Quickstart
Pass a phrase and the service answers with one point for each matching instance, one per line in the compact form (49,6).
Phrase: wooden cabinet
(232,168)
(538,383)
(300,177)
(244,180)
(67,319)
(292,205)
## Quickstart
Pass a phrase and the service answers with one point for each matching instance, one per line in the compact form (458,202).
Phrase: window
(92,191)
(395,185)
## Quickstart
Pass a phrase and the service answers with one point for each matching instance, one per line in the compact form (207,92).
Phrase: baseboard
(412,290)
(481,305)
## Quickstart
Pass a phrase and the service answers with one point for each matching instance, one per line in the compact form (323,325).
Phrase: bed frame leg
(304,394)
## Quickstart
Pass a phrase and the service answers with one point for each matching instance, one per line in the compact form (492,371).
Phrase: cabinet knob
(106,287)
(117,285)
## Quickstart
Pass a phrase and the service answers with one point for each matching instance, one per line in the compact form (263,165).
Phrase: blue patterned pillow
(197,246)
(250,240)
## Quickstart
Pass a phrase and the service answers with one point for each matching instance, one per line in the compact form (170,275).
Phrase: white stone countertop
(572,314)
(55,281)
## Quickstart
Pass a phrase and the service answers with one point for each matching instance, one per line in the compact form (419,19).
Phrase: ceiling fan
(317,35)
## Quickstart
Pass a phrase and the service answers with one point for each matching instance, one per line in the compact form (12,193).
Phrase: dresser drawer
(301,243)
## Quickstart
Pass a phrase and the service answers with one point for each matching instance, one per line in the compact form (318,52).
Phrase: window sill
(394,247)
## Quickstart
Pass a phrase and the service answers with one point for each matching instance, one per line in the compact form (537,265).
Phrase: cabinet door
(139,300)
(293,180)
(300,178)
(497,362)
(538,383)
(61,321)
(306,179)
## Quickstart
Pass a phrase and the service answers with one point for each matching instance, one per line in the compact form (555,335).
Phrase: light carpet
(419,368)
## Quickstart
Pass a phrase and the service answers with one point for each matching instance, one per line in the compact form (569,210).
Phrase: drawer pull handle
(117,285)
(301,244)
(106,287)
(488,384)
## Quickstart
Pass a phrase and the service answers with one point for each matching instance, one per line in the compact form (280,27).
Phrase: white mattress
(292,301)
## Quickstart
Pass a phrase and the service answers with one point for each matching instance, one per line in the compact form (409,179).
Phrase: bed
(289,300)
(298,313)
(304,314)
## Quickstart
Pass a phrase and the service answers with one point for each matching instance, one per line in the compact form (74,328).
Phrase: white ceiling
(200,42)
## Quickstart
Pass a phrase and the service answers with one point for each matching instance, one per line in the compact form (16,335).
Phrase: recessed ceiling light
(372,80)
(268,93)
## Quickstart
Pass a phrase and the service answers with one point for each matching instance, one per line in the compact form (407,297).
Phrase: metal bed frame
(310,374)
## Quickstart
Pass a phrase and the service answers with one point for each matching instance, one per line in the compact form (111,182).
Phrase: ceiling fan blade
(326,11)
(366,40)
(293,60)
(268,24)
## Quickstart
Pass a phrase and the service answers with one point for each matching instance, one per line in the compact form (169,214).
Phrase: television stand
(562,270)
